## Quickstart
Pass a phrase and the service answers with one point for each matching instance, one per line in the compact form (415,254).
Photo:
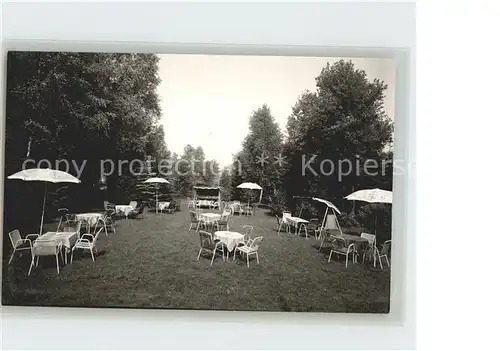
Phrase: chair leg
(12,256)
(248,260)
(92,254)
(387,259)
(199,253)
(346,258)
(330,256)
(31,265)
(72,251)
(257,255)
(37,259)
(57,263)
(380,261)
(213,256)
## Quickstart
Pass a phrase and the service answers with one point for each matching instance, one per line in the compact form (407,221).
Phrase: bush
(278,203)
(348,220)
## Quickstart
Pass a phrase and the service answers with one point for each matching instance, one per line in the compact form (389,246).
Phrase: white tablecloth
(68,239)
(294,221)
(231,239)
(210,217)
(125,209)
(163,205)
(90,218)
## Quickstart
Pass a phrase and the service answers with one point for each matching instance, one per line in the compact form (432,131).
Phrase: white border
(273,29)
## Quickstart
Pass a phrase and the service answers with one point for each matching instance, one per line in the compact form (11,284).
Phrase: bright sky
(206,100)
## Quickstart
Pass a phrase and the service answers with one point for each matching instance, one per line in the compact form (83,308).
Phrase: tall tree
(342,123)
(81,107)
(260,158)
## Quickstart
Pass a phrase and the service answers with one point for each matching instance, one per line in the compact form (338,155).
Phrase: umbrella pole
(43,208)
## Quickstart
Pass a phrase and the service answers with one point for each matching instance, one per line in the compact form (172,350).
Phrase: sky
(206,100)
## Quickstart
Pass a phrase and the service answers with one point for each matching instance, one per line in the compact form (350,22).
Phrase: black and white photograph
(198,182)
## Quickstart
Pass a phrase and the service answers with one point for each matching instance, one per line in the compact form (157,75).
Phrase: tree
(257,159)
(84,108)
(342,122)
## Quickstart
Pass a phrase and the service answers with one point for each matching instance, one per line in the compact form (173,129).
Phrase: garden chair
(73,226)
(133,204)
(137,213)
(385,252)
(19,244)
(46,248)
(251,249)
(223,222)
(280,223)
(208,244)
(193,220)
(313,226)
(237,208)
(87,242)
(370,248)
(340,247)
(63,212)
(248,231)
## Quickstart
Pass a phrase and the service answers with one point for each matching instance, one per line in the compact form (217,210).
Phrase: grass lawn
(151,263)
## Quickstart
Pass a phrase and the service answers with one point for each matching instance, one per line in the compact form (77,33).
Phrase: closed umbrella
(251,186)
(371,196)
(46,175)
(157,181)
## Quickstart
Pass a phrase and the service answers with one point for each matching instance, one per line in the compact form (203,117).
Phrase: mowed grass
(151,263)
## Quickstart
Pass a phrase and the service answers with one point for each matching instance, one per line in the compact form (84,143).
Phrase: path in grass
(151,263)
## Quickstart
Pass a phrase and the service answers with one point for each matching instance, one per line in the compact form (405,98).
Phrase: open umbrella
(157,181)
(371,196)
(44,175)
(251,186)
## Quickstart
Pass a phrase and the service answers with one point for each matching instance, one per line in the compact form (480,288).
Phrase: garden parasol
(251,186)
(371,196)
(157,181)
(44,175)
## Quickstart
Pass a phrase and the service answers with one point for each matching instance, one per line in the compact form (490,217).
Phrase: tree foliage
(82,107)
(343,119)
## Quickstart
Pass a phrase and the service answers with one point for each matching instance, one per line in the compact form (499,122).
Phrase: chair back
(15,236)
(386,248)
(339,242)
(287,214)
(206,239)
(313,223)
(72,226)
(248,231)
(133,204)
(369,237)
(193,216)
(254,244)
(97,235)
(141,209)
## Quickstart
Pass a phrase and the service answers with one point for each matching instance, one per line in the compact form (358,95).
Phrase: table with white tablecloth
(90,218)
(68,239)
(210,217)
(295,222)
(163,205)
(230,239)
(124,209)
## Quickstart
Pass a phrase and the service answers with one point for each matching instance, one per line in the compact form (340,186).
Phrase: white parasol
(251,186)
(372,196)
(157,181)
(44,175)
